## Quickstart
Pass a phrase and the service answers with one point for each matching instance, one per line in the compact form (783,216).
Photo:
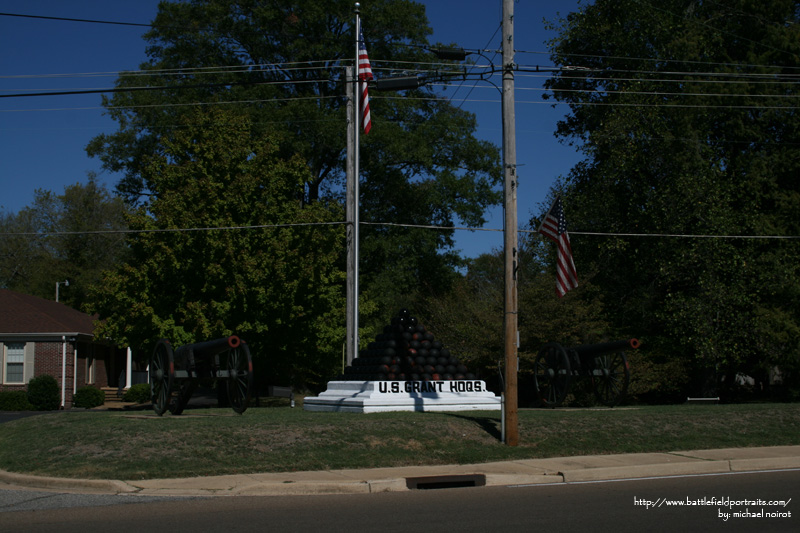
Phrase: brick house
(39,336)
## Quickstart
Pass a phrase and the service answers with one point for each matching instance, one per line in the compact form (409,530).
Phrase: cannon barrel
(606,347)
(208,349)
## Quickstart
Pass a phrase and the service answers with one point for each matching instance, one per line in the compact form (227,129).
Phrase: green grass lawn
(140,445)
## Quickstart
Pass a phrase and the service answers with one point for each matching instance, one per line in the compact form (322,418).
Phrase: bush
(657,378)
(16,400)
(43,393)
(88,397)
(139,393)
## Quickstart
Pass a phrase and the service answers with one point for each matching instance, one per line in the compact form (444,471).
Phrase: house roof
(22,313)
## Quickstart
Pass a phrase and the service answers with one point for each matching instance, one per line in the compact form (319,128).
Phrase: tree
(469,318)
(21,258)
(282,63)
(72,236)
(269,274)
(684,111)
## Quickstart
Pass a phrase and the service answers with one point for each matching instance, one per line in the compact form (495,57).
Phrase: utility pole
(510,238)
(510,229)
(351,344)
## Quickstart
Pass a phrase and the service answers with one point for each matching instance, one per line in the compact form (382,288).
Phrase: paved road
(616,506)
(12,500)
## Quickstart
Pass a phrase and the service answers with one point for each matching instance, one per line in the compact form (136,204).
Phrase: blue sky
(43,139)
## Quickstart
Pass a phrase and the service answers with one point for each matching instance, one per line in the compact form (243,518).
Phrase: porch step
(111,394)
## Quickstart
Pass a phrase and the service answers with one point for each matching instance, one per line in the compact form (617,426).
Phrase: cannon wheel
(162,372)
(610,378)
(181,399)
(551,375)
(240,377)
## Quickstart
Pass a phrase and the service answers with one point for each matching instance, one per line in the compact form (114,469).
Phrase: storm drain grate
(446,482)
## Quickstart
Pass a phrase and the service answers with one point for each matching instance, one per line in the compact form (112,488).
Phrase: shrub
(139,393)
(16,400)
(88,397)
(657,378)
(43,393)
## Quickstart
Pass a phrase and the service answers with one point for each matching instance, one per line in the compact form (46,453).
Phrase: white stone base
(382,396)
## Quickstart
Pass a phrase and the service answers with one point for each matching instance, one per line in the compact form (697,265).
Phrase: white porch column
(128,365)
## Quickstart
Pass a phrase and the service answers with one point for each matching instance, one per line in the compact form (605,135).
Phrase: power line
(386,224)
(289,66)
(163,87)
(164,230)
(67,19)
(532,52)
(681,235)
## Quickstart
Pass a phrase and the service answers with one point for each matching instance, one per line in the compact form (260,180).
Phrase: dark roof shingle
(22,313)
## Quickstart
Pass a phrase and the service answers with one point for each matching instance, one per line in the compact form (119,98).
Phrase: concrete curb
(658,470)
(764,463)
(89,486)
(521,472)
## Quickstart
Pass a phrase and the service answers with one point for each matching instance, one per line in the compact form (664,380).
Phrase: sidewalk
(524,472)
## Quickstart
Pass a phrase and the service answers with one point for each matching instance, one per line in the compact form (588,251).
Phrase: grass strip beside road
(202,442)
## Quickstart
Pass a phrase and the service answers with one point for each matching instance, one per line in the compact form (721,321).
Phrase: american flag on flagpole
(364,75)
(554,227)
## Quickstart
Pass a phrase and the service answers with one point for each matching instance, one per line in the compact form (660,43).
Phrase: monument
(405,369)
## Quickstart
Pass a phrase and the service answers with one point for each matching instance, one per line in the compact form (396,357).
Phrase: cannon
(605,364)
(174,374)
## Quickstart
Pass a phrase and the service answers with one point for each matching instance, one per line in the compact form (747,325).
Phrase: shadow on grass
(487,424)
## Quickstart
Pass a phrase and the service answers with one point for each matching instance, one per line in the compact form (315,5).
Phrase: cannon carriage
(175,373)
(605,364)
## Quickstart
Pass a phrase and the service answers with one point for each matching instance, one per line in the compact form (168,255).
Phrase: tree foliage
(469,318)
(63,237)
(282,63)
(685,112)
(270,275)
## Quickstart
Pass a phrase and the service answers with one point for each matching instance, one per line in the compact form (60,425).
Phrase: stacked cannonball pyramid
(405,351)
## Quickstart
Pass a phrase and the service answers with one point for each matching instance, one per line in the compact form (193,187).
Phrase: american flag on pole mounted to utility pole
(554,227)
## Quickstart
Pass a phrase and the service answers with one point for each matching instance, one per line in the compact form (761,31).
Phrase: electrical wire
(164,230)
(386,224)
(66,19)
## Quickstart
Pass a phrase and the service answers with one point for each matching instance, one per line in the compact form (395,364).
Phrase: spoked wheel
(162,372)
(181,399)
(610,378)
(551,375)
(240,377)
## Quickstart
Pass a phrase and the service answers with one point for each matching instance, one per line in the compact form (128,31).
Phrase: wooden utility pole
(351,344)
(510,229)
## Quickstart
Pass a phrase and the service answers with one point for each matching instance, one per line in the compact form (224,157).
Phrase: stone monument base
(383,396)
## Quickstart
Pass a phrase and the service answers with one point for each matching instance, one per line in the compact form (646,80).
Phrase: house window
(15,362)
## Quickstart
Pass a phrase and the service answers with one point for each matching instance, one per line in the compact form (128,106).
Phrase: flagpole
(352,264)
(356,181)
